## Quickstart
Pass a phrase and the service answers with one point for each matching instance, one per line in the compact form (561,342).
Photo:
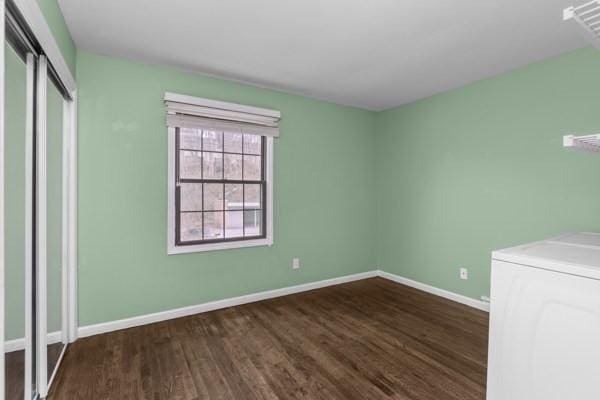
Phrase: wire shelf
(585,143)
(587,16)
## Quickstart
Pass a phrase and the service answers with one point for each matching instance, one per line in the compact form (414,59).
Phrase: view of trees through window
(220,186)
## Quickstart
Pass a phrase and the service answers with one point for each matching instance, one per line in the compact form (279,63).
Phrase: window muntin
(220,192)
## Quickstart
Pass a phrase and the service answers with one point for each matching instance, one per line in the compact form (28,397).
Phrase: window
(220,188)
(220,193)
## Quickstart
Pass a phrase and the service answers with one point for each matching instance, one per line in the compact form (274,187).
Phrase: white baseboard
(104,327)
(19,344)
(111,326)
(481,305)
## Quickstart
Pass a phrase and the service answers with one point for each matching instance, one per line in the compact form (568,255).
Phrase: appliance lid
(573,253)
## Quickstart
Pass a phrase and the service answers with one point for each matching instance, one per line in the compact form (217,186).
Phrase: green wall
(482,167)
(419,191)
(58,27)
(323,189)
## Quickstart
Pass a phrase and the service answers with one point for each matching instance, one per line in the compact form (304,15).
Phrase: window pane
(213,225)
(213,165)
(233,196)
(252,196)
(234,221)
(190,138)
(191,226)
(233,142)
(190,197)
(190,164)
(233,166)
(253,222)
(252,168)
(212,140)
(213,196)
(252,144)
(217,211)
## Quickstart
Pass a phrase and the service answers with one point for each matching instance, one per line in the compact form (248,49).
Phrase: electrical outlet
(295,263)
(485,299)
(464,273)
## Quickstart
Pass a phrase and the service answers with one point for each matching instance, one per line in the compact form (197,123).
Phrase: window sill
(172,250)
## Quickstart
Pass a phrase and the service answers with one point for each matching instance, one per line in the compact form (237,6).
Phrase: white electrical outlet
(295,263)
(464,273)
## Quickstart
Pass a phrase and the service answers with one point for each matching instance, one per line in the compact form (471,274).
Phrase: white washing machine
(544,339)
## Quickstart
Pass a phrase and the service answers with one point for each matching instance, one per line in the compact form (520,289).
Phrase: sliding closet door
(55,256)
(56,260)
(34,306)
(18,223)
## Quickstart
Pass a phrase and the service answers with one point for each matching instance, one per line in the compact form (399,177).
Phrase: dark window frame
(263,192)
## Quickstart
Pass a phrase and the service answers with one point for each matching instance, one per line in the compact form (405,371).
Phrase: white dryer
(544,339)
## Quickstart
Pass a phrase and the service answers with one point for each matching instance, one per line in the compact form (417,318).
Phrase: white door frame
(29,201)
(41,229)
(33,16)
(70,129)
(2,222)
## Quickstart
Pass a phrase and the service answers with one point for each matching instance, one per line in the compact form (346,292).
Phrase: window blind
(197,113)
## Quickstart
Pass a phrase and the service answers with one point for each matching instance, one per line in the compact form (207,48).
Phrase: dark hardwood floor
(371,339)
(15,375)
(15,370)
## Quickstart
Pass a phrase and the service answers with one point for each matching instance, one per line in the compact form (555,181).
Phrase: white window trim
(172,248)
(222,106)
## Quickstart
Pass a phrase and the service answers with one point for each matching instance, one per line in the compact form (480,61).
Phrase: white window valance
(195,112)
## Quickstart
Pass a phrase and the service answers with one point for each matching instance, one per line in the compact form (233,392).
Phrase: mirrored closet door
(18,128)
(38,191)
(55,226)
(51,205)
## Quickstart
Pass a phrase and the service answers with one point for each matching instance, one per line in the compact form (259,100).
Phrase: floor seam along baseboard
(105,327)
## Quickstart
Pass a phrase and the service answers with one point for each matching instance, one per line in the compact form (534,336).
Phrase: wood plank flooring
(15,370)
(15,375)
(370,339)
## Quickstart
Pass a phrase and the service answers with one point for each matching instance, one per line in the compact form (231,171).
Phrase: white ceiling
(373,54)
